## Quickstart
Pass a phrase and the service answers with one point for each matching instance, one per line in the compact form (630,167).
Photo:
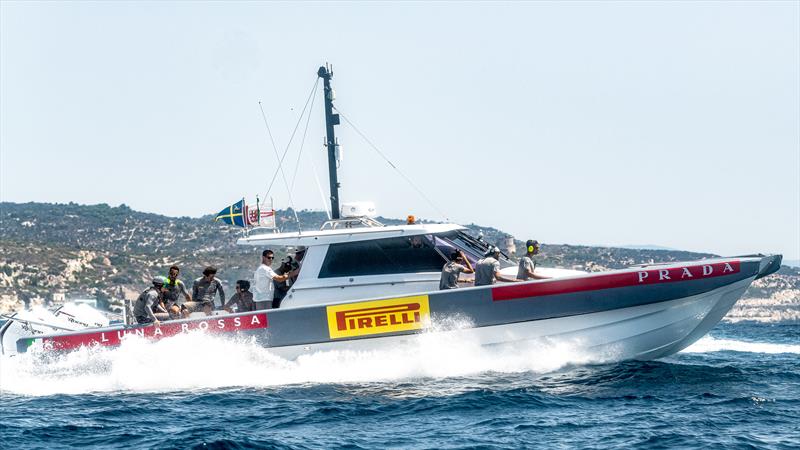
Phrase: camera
(288,264)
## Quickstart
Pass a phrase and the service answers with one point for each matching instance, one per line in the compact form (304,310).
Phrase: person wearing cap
(290,266)
(205,287)
(149,299)
(299,254)
(458,263)
(487,270)
(526,263)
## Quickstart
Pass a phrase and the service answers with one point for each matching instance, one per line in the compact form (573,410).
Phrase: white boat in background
(364,285)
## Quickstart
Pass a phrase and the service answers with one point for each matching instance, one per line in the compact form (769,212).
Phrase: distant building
(59,298)
(510,246)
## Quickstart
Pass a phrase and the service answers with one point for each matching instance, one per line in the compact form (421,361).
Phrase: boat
(364,285)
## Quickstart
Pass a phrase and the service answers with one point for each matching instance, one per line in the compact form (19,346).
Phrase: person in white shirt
(264,289)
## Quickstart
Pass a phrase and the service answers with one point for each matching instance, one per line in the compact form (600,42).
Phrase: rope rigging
(313,165)
(303,140)
(280,158)
(308,107)
(393,166)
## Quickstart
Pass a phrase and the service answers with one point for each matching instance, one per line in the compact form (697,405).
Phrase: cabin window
(382,256)
(473,248)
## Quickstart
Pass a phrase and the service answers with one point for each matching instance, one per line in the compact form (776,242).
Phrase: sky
(620,123)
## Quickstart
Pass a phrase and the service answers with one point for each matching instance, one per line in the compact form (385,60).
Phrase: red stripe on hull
(615,280)
(114,337)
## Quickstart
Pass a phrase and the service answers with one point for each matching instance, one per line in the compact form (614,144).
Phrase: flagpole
(258,209)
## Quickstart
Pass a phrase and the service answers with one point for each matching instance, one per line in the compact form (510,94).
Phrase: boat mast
(331,119)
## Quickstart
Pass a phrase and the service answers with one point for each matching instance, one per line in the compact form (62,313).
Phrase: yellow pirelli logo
(379,316)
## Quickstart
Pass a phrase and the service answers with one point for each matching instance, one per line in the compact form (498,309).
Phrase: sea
(738,387)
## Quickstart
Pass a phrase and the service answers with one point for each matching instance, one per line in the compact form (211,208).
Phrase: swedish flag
(233,215)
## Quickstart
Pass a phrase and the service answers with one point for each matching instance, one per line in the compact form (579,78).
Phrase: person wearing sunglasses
(264,289)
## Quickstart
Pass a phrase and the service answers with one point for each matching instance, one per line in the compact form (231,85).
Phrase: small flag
(233,215)
(262,217)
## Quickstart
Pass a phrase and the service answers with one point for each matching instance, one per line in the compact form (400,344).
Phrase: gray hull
(638,313)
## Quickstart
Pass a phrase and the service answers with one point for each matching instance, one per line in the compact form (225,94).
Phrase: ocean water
(738,387)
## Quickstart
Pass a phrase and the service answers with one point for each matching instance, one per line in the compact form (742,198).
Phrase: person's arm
(275,277)
(531,274)
(149,309)
(160,306)
(195,288)
(534,276)
(280,278)
(227,306)
(468,264)
(501,277)
(463,269)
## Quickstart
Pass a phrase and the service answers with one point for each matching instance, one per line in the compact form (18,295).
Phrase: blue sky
(673,124)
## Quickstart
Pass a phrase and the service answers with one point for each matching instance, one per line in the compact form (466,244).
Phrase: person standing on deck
(487,271)
(453,269)
(264,277)
(526,263)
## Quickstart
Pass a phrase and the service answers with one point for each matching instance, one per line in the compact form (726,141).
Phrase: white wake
(709,344)
(201,361)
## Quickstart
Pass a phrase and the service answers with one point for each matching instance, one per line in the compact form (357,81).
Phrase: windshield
(473,248)
(413,254)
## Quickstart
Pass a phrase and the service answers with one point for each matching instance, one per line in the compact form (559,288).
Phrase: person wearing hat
(149,299)
(290,266)
(487,270)
(299,254)
(526,264)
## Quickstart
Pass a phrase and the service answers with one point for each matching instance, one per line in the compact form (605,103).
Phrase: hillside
(52,250)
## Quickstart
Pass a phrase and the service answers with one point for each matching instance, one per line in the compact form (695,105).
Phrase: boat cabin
(359,258)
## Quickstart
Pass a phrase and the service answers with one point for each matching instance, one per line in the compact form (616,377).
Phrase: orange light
(411,219)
